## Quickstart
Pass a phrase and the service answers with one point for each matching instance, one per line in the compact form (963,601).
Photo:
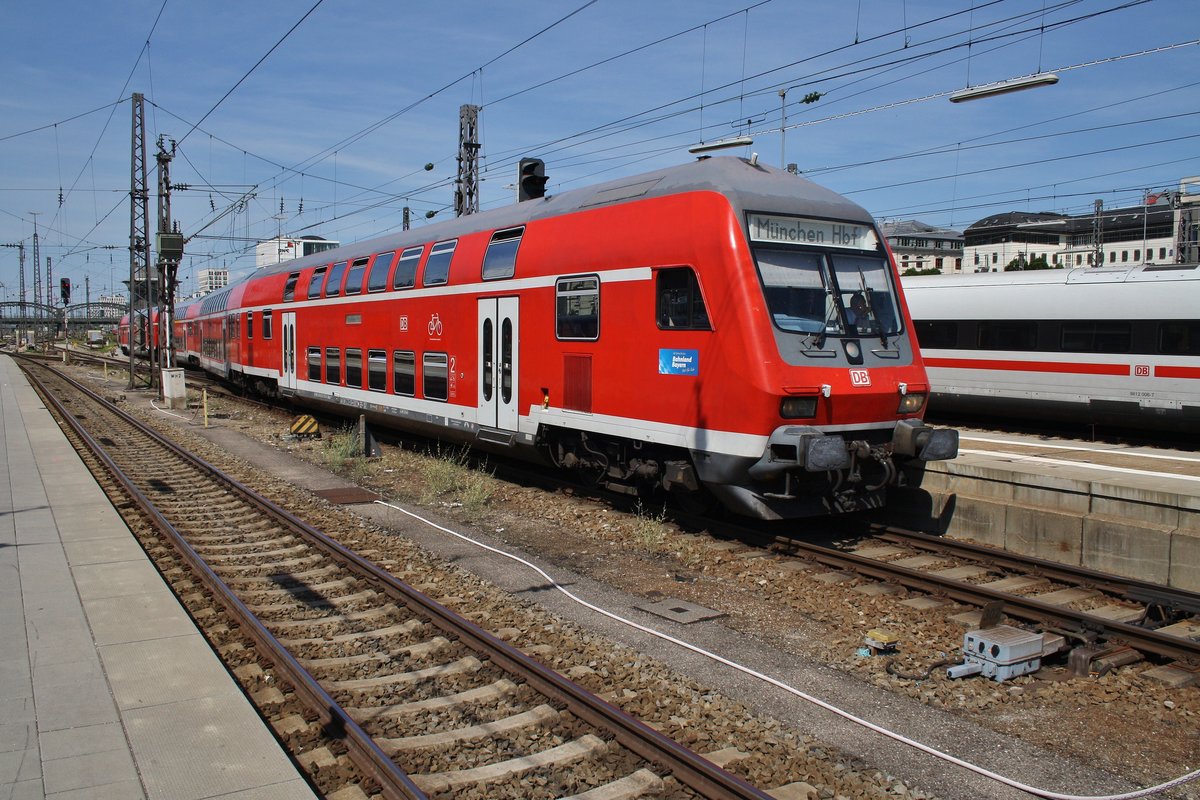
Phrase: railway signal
(64,288)
(531,179)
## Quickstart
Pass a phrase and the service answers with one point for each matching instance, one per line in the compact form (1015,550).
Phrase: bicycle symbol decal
(435,326)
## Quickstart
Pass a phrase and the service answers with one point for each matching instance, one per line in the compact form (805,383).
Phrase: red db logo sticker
(860,377)
(1141,370)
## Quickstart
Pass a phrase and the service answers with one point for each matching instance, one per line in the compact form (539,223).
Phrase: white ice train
(1117,347)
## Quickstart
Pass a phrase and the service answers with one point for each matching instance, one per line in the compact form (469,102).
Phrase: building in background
(918,246)
(286,248)
(1164,229)
(209,280)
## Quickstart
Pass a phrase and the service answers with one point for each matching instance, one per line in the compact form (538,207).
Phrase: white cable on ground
(802,695)
(171,413)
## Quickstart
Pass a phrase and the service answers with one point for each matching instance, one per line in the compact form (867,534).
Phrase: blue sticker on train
(678,362)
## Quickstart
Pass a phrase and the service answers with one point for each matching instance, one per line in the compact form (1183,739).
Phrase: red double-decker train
(719,328)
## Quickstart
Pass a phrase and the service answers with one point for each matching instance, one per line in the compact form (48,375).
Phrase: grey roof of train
(749,187)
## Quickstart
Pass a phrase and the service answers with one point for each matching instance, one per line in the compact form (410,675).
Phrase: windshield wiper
(862,281)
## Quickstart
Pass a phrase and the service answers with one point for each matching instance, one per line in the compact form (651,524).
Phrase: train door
(498,355)
(287,368)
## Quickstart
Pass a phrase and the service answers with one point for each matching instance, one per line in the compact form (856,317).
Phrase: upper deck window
(406,270)
(381,267)
(437,266)
(314,283)
(289,288)
(500,260)
(333,284)
(354,278)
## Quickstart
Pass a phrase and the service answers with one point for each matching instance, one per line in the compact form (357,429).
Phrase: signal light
(531,179)
(64,287)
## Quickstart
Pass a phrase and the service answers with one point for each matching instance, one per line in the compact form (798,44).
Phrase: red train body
(153,336)
(689,329)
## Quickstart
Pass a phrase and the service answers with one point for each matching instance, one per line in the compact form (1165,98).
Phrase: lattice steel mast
(139,241)
(466,192)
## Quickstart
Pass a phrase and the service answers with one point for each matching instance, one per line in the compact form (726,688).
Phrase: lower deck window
(377,370)
(404,372)
(314,364)
(333,365)
(354,368)
(436,376)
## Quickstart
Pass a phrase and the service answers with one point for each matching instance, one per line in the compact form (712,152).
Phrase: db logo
(1141,370)
(860,377)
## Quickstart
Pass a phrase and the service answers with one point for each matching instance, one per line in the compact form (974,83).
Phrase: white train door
(498,361)
(287,369)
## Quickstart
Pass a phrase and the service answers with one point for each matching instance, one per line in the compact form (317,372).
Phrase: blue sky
(337,122)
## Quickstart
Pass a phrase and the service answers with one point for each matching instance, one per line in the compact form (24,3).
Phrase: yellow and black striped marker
(305,425)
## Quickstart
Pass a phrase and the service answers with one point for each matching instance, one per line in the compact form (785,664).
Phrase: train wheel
(699,503)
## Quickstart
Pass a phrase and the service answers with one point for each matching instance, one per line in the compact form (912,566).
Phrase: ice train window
(937,334)
(1007,335)
(680,304)
(1098,336)
(1179,338)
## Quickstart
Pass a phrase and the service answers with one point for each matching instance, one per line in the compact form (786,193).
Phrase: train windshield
(865,290)
(828,294)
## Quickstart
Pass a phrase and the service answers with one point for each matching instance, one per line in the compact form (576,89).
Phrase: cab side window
(680,303)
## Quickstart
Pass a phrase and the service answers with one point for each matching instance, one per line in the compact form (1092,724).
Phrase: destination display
(801,230)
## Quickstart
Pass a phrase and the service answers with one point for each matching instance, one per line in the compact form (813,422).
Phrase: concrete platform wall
(1137,533)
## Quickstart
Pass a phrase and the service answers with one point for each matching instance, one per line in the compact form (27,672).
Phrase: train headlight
(798,407)
(911,403)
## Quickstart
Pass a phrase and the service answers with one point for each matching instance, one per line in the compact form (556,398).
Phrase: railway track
(1087,606)
(421,701)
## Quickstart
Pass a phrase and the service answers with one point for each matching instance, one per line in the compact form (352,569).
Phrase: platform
(1126,510)
(107,690)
